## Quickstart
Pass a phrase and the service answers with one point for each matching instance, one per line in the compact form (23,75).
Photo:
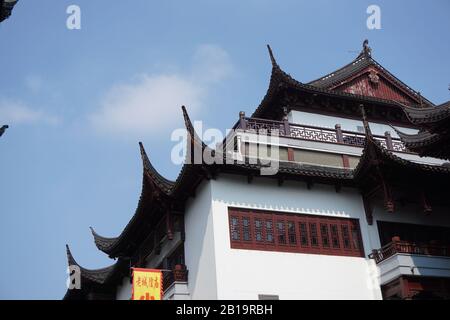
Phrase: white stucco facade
(245,274)
(216,271)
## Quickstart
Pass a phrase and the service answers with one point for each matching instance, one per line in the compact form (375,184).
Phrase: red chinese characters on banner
(147,284)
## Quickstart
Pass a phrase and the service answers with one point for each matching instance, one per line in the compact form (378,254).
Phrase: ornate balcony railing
(307,132)
(398,246)
(178,274)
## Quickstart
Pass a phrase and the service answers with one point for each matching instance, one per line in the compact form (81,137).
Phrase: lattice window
(281,232)
(277,231)
(246,235)
(235,234)
(304,234)
(259,230)
(313,235)
(324,235)
(269,231)
(292,236)
(345,236)
(335,236)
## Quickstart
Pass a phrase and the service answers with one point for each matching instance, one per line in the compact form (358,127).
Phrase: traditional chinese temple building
(358,207)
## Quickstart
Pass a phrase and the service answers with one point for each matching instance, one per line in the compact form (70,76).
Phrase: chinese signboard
(147,284)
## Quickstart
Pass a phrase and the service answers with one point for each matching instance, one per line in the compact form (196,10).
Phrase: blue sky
(78,101)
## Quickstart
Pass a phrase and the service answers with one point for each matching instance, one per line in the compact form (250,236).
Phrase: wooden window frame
(320,222)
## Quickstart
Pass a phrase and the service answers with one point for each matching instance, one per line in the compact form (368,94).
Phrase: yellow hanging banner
(147,284)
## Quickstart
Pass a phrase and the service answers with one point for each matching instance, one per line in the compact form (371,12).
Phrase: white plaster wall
(199,245)
(314,119)
(244,274)
(124,290)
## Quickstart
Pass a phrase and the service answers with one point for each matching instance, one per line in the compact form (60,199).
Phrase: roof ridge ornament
(367,51)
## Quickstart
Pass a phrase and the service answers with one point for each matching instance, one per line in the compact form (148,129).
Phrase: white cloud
(16,112)
(153,101)
(211,64)
(34,83)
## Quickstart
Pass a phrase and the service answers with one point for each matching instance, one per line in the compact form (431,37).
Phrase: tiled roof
(361,62)
(280,79)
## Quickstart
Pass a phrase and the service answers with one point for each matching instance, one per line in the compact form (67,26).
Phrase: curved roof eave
(161,183)
(99,276)
(152,182)
(428,115)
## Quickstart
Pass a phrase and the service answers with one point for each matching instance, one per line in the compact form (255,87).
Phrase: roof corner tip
(272,57)
(70,258)
(187,120)
(142,151)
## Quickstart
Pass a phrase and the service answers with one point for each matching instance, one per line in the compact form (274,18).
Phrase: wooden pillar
(389,144)
(339,135)
(242,121)
(287,128)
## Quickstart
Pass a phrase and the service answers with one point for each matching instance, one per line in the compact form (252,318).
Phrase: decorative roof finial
(366,49)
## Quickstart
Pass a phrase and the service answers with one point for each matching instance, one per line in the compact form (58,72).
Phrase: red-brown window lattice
(276,231)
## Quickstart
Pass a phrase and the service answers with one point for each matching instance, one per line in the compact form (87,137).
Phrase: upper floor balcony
(175,283)
(314,133)
(403,258)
